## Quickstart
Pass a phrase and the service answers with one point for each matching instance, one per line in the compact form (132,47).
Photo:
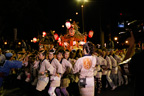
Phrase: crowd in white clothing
(58,69)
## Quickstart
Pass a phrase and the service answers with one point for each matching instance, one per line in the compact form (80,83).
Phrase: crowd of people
(58,72)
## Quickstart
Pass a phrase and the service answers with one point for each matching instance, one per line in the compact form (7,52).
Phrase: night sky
(31,17)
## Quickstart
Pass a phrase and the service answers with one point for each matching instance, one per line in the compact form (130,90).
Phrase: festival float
(73,39)
(47,40)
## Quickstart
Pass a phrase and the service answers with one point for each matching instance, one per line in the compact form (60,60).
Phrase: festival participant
(122,53)
(119,60)
(66,65)
(55,78)
(45,69)
(122,56)
(7,66)
(98,73)
(67,56)
(85,67)
(114,71)
(104,68)
(34,71)
(73,86)
(2,57)
(109,67)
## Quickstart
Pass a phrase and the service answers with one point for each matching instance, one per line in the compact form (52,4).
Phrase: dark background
(31,17)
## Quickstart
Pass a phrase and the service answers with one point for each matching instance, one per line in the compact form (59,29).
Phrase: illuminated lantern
(90,35)
(71,31)
(34,39)
(68,24)
(19,43)
(56,37)
(60,43)
(74,42)
(5,43)
(44,33)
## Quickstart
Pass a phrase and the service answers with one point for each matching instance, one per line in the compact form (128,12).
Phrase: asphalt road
(16,88)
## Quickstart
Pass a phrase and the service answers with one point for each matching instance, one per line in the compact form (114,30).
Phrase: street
(124,90)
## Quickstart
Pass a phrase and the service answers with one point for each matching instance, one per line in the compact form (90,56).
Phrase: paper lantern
(44,33)
(56,37)
(68,24)
(90,35)
(60,43)
(34,39)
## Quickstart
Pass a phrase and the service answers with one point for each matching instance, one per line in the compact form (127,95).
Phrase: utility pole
(82,6)
(101,31)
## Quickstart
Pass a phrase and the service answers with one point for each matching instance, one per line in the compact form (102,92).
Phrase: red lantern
(44,33)
(90,35)
(56,37)
(34,39)
(60,43)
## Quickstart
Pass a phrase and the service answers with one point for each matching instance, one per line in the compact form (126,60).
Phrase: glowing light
(68,24)
(126,42)
(76,13)
(62,26)
(74,42)
(115,38)
(122,32)
(59,39)
(79,0)
(60,43)
(44,33)
(65,43)
(34,39)
(56,37)
(85,0)
(82,6)
(53,31)
(81,42)
(19,43)
(5,43)
(90,35)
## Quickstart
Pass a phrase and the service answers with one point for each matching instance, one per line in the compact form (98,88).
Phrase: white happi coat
(42,78)
(65,65)
(98,67)
(109,63)
(55,78)
(118,58)
(85,67)
(114,65)
(103,63)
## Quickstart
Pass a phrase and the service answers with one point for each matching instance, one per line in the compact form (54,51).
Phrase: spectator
(7,66)
(110,44)
(23,45)
(2,57)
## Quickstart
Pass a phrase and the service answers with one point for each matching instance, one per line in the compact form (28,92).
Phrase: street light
(82,6)
(115,38)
